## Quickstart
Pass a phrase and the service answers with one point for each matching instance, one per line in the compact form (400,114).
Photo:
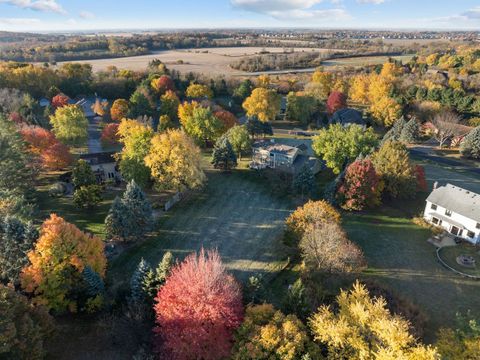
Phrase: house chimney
(435,185)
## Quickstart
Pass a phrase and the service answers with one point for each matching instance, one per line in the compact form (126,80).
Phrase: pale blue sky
(46,15)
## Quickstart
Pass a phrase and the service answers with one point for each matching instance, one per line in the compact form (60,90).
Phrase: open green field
(236,213)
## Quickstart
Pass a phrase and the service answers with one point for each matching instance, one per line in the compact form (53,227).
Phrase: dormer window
(433,207)
(448,212)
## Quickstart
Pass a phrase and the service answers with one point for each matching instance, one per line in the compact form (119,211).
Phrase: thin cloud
(472,14)
(37,5)
(376,2)
(86,15)
(291,9)
(19,21)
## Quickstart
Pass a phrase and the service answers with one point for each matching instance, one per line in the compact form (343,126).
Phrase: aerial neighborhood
(280,191)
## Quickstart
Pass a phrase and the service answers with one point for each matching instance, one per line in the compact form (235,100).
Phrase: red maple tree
(227,118)
(336,101)
(421,180)
(57,157)
(163,84)
(361,186)
(198,309)
(110,134)
(60,100)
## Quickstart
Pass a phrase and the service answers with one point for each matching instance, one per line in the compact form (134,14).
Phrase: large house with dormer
(456,210)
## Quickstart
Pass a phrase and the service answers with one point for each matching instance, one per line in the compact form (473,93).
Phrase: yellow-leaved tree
(175,161)
(325,81)
(269,334)
(54,276)
(359,88)
(383,108)
(363,328)
(262,103)
(198,91)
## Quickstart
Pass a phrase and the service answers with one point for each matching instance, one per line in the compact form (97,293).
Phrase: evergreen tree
(470,146)
(138,208)
(295,300)
(93,281)
(395,132)
(83,175)
(117,222)
(223,156)
(16,239)
(130,216)
(410,131)
(155,279)
(138,294)
(304,181)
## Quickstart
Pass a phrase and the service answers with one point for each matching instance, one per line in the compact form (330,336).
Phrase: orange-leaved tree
(54,275)
(119,109)
(198,309)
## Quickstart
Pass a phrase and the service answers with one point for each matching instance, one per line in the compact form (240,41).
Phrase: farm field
(364,60)
(211,61)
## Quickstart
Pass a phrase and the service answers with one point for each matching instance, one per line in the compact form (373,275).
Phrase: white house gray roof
(458,200)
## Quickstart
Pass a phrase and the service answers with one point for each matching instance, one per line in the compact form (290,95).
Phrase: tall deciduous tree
(308,215)
(336,101)
(445,126)
(267,333)
(338,145)
(82,174)
(262,103)
(239,137)
(175,161)
(119,110)
(60,100)
(198,309)
(300,107)
(70,124)
(223,156)
(202,125)
(227,118)
(198,91)
(110,134)
(136,138)
(325,247)
(392,163)
(361,187)
(169,103)
(163,84)
(364,328)
(54,275)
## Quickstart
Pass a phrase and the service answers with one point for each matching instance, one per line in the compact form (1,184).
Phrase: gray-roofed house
(347,117)
(282,157)
(456,210)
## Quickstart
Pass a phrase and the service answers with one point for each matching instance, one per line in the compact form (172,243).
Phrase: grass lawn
(236,213)
(399,257)
(449,255)
(91,220)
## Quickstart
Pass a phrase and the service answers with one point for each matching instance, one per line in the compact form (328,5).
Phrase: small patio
(442,240)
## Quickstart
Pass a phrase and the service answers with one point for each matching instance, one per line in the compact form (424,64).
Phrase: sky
(63,15)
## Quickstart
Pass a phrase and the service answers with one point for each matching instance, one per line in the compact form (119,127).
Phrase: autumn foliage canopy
(60,100)
(198,309)
(110,134)
(336,101)
(57,261)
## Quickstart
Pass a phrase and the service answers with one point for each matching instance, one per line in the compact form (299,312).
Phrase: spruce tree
(223,156)
(304,181)
(117,222)
(395,132)
(409,134)
(93,281)
(138,208)
(138,294)
(470,146)
(155,279)
(16,239)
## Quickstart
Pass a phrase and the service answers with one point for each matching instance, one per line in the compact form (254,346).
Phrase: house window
(433,207)
(448,212)
(470,234)
(435,221)
(478,226)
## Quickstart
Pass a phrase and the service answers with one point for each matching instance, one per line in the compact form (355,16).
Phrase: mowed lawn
(399,256)
(236,213)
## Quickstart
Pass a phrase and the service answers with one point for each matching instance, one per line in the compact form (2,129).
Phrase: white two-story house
(456,210)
